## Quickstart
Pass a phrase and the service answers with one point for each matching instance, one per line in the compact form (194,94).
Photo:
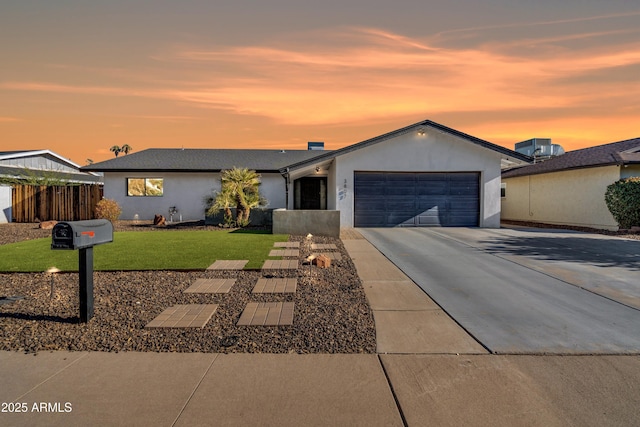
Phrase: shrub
(623,200)
(108,209)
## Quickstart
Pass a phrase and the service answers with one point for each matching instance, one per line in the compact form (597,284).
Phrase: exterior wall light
(421,131)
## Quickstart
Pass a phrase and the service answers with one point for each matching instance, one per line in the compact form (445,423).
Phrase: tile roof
(205,160)
(616,153)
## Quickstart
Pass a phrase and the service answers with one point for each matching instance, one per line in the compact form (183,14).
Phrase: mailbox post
(83,235)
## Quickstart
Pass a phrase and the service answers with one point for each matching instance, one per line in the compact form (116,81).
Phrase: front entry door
(310,193)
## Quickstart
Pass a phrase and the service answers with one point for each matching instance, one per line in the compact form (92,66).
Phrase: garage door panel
(461,221)
(399,219)
(424,203)
(400,190)
(432,176)
(395,204)
(369,202)
(429,217)
(379,220)
(398,177)
(462,191)
(371,177)
(465,203)
(393,199)
(433,188)
(373,191)
(462,176)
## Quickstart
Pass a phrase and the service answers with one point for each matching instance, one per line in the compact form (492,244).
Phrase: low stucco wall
(303,222)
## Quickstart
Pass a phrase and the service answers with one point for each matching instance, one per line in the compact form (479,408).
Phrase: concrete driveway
(526,291)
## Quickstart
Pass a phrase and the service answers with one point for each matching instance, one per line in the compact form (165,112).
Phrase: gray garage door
(392,199)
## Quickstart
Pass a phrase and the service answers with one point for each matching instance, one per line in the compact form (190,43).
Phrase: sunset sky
(77,77)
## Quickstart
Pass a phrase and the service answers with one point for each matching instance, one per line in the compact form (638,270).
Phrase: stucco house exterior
(425,174)
(29,165)
(569,189)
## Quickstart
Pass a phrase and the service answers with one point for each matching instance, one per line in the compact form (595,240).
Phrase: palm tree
(115,149)
(222,200)
(126,148)
(240,186)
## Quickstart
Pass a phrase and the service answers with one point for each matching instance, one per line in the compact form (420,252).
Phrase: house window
(503,190)
(145,187)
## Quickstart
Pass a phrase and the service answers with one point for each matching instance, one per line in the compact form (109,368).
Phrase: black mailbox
(81,234)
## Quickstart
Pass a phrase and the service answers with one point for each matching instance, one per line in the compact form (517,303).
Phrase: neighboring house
(32,166)
(425,174)
(569,189)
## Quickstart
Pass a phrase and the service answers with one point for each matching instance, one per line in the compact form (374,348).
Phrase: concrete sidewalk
(165,389)
(429,371)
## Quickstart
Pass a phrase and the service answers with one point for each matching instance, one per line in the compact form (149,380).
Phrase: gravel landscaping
(331,312)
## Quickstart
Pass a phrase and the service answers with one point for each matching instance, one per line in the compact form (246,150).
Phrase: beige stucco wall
(433,152)
(574,197)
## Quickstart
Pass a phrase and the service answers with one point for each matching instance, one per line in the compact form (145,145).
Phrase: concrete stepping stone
(285,252)
(211,286)
(286,244)
(275,286)
(184,316)
(223,264)
(323,246)
(267,314)
(285,264)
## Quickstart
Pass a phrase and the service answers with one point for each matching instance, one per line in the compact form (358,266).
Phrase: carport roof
(509,157)
(616,153)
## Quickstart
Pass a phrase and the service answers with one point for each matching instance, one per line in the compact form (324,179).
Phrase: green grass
(175,250)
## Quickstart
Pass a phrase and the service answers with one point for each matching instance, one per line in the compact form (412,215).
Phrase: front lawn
(134,250)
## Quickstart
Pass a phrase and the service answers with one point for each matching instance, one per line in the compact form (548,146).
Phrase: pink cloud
(9,119)
(359,74)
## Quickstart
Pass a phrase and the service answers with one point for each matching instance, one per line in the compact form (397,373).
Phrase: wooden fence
(31,203)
